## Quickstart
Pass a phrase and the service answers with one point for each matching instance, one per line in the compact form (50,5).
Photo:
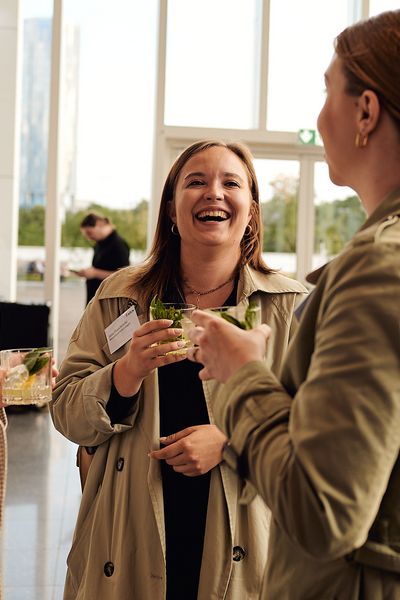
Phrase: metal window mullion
(159,151)
(356,10)
(364,9)
(52,220)
(262,90)
(305,218)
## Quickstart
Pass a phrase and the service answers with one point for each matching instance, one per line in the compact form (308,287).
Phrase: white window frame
(264,144)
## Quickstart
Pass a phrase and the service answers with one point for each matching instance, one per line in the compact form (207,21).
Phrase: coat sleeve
(79,406)
(322,460)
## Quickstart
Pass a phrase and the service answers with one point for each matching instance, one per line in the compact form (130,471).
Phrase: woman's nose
(214,192)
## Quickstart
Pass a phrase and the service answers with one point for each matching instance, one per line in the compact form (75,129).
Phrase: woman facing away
(167,523)
(321,444)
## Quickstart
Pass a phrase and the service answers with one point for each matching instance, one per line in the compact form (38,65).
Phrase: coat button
(108,569)
(120,464)
(238,553)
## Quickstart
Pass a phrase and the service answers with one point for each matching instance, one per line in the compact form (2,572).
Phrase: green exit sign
(307,136)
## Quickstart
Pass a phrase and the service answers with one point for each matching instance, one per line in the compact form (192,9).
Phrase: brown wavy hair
(161,269)
(370,53)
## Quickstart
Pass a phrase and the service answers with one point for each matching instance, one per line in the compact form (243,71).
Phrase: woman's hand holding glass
(223,348)
(192,451)
(145,355)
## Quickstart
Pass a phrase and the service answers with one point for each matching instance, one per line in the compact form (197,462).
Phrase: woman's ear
(251,211)
(172,211)
(368,112)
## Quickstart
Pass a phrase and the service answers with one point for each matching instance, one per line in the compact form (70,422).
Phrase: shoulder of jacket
(274,283)
(116,285)
(385,231)
(389,230)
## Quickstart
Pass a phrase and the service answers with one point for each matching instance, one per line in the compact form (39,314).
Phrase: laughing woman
(167,523)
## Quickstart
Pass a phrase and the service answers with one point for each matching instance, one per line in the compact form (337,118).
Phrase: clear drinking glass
(243,316)
(181,316)
(27,378)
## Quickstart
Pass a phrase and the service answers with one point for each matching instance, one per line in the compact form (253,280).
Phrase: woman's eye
(195,182)
(232,184)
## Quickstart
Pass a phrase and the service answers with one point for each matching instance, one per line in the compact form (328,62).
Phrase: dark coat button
(120,464)
(238,553)
(108,569)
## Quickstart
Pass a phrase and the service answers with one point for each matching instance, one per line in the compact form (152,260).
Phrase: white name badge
(121,330)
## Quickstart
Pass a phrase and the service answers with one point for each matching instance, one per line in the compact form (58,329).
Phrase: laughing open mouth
(212,215)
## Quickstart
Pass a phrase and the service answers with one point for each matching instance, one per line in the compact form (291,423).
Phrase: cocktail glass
(181,316)
(243,316)
(27,378)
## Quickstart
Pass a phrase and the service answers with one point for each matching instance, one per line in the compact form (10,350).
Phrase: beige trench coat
(321,447)
(118,550)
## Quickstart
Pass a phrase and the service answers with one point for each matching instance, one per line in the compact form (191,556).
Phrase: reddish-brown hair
(161,269)
(370,53)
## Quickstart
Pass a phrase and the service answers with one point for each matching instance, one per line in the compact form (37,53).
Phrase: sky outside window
(300,50)
(378,6)
(212,63)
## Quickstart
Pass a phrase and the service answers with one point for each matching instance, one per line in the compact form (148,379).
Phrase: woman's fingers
(155,335)
(151,326)
(222,347)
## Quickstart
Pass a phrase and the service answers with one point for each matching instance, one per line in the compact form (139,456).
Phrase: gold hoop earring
(174,229)
(361,140)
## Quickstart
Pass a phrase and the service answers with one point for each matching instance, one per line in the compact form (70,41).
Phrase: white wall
(9,144)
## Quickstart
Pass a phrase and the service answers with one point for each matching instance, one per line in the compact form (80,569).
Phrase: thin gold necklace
(199,294)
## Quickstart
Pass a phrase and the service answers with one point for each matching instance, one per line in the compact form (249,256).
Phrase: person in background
(321,443)
(111,252)
(171,522)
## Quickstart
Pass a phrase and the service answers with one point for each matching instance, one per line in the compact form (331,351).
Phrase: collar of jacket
(389,207)
(250,281)
(385,210)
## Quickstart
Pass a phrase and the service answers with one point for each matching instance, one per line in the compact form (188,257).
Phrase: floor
(42,500)
(43,489)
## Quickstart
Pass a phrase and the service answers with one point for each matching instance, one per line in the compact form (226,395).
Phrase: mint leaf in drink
(160,311)
(36,359)
(231,319)
(250,316)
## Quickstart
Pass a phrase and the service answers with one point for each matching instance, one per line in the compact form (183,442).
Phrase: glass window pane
(279,184)
(338,215)
(301,47)
(212,49)
(35,98)
(378,6)
(36,20)
(116,90)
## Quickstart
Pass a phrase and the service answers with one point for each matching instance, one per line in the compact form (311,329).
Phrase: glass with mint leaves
(243,316)
(27,378)
(180,314)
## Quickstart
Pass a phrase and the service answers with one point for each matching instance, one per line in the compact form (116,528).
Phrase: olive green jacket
(118,550)
(321,444)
